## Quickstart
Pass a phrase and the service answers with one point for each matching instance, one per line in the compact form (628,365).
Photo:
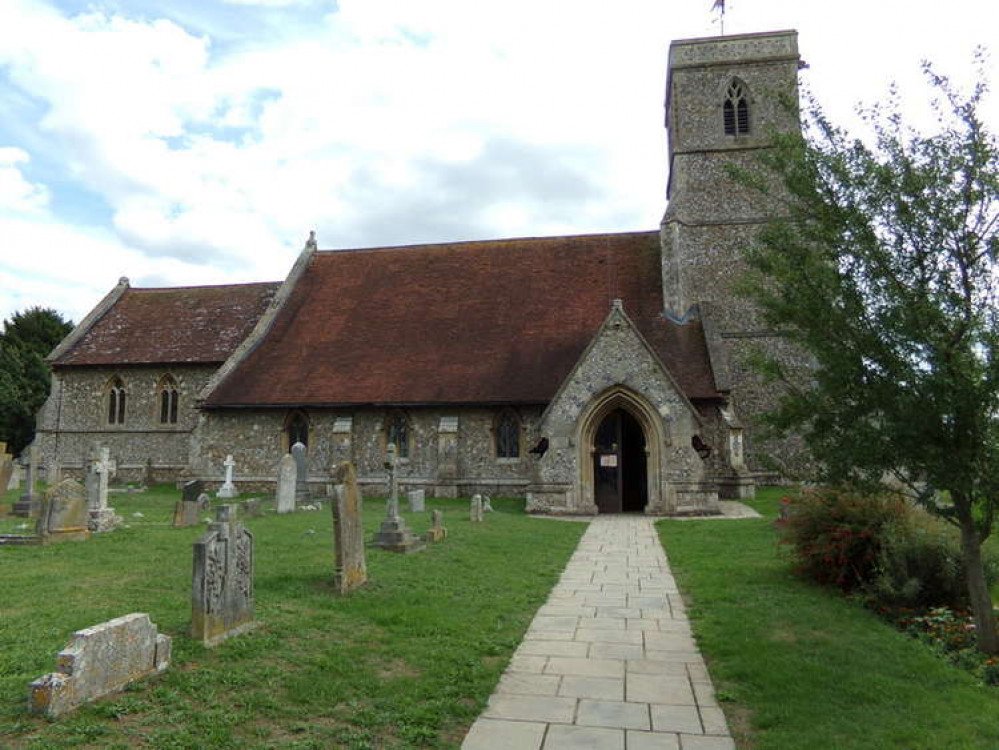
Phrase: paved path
(608,662)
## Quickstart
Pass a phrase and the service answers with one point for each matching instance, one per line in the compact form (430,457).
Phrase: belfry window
(736,109)
(168,400)
(116,401)
(507,435)
(397,433)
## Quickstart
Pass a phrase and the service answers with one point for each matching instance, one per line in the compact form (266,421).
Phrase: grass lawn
(408,661)
(796,666)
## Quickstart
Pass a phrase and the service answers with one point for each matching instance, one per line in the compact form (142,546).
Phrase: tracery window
(397,433)
(168,400)
(116,401)
(736,109)
(507,435)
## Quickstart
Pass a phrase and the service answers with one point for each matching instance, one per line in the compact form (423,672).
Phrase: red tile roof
(477,322)
(201,324)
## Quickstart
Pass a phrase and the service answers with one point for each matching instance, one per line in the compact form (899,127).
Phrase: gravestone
(192,490)
(148,477)
(53,474)
(393,534)
(252,508)
(185,514)
(6,468)
(102,518)
(417,501)
(436,533)
(222,583)
(348,530)
(300,453)
(100,660)
(64,514)
(204,502)
(487,506)
(29,504)
(287,476)
(228,489)
(475,509)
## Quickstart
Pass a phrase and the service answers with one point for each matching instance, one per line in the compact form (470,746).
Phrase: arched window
(397,433)
(506,433)
(168,400)
(116,401)
(736,109)
(297,429)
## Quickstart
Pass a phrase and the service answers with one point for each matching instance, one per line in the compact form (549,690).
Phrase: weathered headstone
(6,468)
(348,530)
(301,455)
(228,489)
(287,476)
(204,502)
(222,583)
(29,504)
(148,477)
(185,514)
(100,660)
(475,509)
(436,533)
(487,506)
(252,507)
(64,515)
(393,534)
(102,518)
(53,473)
(417,501)
(192,490)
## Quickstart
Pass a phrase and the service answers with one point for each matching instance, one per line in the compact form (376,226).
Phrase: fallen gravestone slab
(100,660)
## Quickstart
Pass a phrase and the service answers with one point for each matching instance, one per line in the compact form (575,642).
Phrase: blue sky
(198,141)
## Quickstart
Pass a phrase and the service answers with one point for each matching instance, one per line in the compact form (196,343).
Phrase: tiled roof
(476,322)
(201,324)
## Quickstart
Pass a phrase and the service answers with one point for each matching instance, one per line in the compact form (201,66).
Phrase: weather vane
(720,7)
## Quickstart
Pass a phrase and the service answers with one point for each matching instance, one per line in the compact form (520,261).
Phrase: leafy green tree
(882,265)
(26,339)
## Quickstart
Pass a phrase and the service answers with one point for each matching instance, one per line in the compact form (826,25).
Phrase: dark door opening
(620,479)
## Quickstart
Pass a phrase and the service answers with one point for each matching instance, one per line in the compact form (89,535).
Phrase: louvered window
(736,109)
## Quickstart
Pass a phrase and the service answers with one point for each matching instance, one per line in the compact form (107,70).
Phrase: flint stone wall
(100,660)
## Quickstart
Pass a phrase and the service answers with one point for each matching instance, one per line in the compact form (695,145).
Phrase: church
(589,374)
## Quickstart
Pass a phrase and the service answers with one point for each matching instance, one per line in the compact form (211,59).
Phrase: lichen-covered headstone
(436,533)
(64,514)
(185,514)
(348,530)
(100,660)
(222,583)
(417,501)
(287,476)
(300,453)
(475,509)
(228,489)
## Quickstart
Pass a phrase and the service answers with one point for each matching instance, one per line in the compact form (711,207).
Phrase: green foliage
(881,264)
(26,339)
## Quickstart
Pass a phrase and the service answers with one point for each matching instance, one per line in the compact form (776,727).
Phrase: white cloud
(17,195)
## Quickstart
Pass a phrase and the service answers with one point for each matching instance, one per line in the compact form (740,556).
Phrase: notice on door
(608,460)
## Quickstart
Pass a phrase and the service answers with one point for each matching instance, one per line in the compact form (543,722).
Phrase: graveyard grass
(796,666)
(407,661)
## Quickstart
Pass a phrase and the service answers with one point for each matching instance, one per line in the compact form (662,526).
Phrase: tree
(882,265)
(26,339)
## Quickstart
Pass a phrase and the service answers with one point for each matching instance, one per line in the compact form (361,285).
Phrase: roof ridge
(496,241)
(201,286)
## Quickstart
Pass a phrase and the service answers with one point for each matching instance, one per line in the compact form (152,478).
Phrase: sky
(198,142)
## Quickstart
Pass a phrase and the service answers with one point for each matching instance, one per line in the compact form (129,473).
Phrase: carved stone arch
(297,428)
(655,433)
(114,400)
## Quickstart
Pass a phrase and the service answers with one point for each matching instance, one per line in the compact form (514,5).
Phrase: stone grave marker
(222,582)
(6,468)
(29,504)
(185,513)
(252,508)
(287,477)
(192,490)
(102,518)
(417,501)
(64,514)
(100,660)
(148,477)
(53,473)
(228,489)
(300,453)
(436,533)
(204,502)
(475,509)
(393,534)
(348,530)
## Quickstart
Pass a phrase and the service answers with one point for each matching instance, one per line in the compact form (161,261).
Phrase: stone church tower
(724,96)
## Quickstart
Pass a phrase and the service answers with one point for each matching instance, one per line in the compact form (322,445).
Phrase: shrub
(836,534)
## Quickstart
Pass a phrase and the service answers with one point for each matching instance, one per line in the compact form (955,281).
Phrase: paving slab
(609,662)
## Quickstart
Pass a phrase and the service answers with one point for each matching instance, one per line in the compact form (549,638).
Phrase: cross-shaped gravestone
(391,463)
(106,467)
(29,504)
(228,489)
(394,535)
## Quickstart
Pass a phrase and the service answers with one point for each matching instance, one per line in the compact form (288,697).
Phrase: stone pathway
(608,662)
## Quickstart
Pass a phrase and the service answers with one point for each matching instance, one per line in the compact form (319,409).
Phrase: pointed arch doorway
(620,464)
